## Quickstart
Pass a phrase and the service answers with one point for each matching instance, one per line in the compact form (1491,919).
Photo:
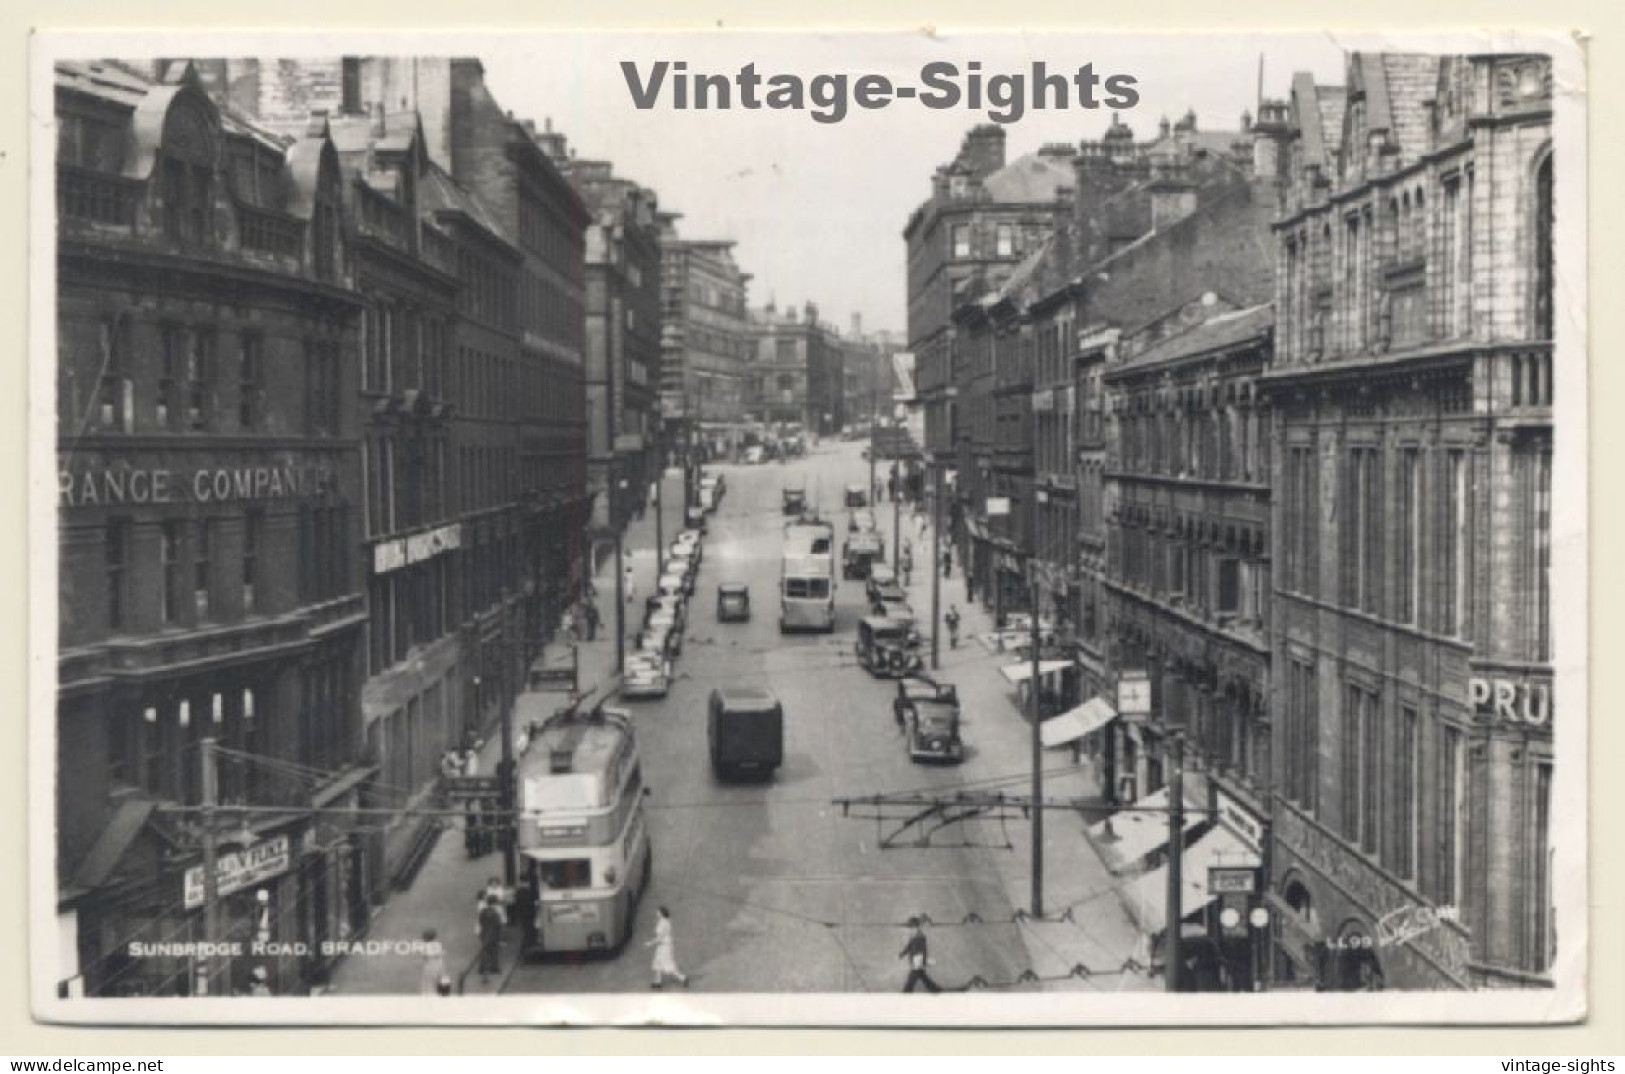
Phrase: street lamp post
(936,558)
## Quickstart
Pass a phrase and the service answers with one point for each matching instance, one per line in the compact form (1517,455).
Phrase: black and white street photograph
(882,529)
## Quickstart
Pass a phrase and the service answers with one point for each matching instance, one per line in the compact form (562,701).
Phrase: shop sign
(1134,694)
(403,551)
(998,506)
(1232,879)
(239,869)
(1524,703)
(1240,821)
(125,485)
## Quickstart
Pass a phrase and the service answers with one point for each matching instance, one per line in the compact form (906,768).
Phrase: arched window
(1543,249)
(186,174)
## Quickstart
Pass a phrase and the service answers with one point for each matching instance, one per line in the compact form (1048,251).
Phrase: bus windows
(818,588)
(567,873)
(797,587)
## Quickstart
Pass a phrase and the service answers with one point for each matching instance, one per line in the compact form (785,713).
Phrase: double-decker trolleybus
(582,834)
(807,577)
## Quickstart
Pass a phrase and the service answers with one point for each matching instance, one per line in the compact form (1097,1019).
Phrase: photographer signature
(1398,926)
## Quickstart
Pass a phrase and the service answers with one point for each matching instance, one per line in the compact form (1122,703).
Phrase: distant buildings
(797,372)
(705,330)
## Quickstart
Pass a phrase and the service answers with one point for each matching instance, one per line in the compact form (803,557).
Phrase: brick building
(623,337)
(705,335)
(983,217)
(471,401)
(798,370)
(1412,386)
(210,509)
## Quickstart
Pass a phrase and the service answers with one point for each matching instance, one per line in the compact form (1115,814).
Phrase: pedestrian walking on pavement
(592,619)
(919,959)
(434,963)
(947,563)
(952,619)
(665,961)
(631,584)
(491,922)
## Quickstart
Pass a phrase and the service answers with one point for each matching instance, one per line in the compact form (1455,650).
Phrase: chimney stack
(982,152)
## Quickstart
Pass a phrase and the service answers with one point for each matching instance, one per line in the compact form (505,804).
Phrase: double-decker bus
(584,843)
(807,577)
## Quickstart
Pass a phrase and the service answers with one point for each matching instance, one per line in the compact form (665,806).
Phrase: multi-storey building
(210,499)
(469,250)
(705,337)
(623,337)
(1412,637)
(984,216)
(797,373)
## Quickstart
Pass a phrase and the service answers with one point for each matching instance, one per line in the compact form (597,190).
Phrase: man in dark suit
(919,959)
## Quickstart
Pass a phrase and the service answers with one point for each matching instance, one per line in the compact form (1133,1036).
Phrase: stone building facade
(705,339)
(1412,640)
(623,338)
(210,511)
(797,373)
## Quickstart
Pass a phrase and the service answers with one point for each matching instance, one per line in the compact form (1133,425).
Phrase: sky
(818,209)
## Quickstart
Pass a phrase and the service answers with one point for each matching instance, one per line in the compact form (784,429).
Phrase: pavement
(771,887)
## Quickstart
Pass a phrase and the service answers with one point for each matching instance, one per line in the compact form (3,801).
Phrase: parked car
(647,675)
(795,499)
(733,602)
(857,496)
(862,521)
(672,584)
(745,731)
(666,625)
(669,605)
(861,552)
(929,713)
(888,646)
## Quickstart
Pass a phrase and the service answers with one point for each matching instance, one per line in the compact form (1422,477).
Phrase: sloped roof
(1410,80)
(1217,333)
(108,81)
(440,191)
(115,839)
(1030,178)
(1318,116)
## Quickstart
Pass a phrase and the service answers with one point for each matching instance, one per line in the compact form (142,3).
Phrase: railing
(94,196)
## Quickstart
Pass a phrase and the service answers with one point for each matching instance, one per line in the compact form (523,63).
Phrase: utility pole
(505,792)
(1173,957)
(1038,747)
(209,782)
(896,524)
(933,566)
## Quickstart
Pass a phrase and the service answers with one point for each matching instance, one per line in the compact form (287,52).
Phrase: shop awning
(1136,832)
(1023,671)
(1086,719)
(1146,898)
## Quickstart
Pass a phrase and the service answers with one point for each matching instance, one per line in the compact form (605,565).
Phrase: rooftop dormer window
(186,176)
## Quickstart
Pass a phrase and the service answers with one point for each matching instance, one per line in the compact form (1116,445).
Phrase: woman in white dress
(665,963)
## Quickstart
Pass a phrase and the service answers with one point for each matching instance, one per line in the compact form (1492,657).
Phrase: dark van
(745,731)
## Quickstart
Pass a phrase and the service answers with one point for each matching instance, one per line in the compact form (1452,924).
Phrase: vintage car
(857,496)
(880,574)
(683,561)
(647,675)
(795,499)
(733,602)
(860,554)
(672,606)
(929,713)
(862,521)
(695,516)
(888,646)
(672,584)
(888,598)
(691,540)
(665,626)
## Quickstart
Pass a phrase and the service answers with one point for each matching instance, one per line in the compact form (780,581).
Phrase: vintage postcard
(949,528)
